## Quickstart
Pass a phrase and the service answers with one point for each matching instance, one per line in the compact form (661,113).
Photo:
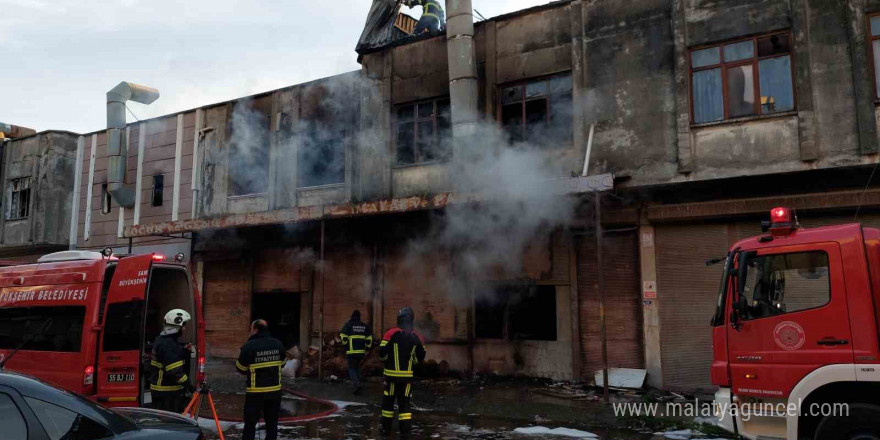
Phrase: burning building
(448,175)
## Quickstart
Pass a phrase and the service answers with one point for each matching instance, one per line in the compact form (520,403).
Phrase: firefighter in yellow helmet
(169,381)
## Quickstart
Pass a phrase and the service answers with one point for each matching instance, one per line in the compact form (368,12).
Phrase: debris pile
(335,362)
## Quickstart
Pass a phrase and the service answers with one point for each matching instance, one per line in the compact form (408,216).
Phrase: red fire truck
(795,333)
(85,320)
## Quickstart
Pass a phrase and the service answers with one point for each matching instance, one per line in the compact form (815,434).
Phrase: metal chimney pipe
(117,144)
(463,85)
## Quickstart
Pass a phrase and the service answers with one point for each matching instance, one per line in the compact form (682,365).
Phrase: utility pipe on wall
(117,144)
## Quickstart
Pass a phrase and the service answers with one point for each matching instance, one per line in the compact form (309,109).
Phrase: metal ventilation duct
(117,144)
(463,86)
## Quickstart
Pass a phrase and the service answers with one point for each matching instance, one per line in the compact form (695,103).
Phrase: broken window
(20,199)
(538,112)
(743,78)
(158,190)
(424,132)
(321,154)
(105,199)
(248,159)
(875,51)
(516,312)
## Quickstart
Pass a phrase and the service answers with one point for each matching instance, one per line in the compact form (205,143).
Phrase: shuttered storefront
(227,305)
(623,302)
(687,294)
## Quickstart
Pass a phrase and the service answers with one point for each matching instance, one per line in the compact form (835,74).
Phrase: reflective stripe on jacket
(169,364)
(261,360)
(431,8)
(400,350)
(357,337)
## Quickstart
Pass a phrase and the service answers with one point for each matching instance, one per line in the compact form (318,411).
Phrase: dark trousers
(174,401)
(354,369)
(401,393)
(431,24)
(267,404)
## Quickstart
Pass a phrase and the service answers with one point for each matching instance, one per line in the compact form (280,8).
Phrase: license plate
(120,377)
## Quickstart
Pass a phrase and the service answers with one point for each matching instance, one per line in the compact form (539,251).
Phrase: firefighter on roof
(357,338)
(433,18)
(170,359)
(401,348)
(261,360)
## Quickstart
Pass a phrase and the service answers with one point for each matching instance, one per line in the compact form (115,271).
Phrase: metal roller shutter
(227,303)
(623,303)
(687,292)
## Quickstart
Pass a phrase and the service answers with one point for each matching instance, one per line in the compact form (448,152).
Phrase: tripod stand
(195,406)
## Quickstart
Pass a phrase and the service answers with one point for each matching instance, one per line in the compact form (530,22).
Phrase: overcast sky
(61,56)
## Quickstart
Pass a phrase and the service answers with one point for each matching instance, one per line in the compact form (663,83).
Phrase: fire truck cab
(86,321)
(795,336)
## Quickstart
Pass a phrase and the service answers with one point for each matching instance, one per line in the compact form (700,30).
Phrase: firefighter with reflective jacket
(433,16)
(357,338)
(261,360)
(401,348)
(169,381)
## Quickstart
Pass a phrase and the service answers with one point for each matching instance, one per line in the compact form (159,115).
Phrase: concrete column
(77,184)
(684,138)
(650,306)
(862,76)
(178,157)
(808,136)
(578,77)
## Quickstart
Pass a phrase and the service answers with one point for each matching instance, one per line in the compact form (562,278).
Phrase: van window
(122,331)
(63,334)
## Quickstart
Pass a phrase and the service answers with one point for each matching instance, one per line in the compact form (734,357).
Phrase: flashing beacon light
(158,257)
(780,215)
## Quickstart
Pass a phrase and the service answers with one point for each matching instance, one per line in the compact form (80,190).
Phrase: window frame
(499,100)
(754,61)
(870,41)
(13,216)
(158,190)
(415,125)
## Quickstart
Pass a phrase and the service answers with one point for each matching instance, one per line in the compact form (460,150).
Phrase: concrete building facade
(304,203)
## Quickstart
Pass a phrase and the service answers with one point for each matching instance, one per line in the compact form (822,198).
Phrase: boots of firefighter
(385,428)
(405,428)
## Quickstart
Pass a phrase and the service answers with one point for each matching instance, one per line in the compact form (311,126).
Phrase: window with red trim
(741,78)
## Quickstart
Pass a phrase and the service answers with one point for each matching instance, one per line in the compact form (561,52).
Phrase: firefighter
(401,348)
(170,358)
(433,18)
(261,360)
(357,338)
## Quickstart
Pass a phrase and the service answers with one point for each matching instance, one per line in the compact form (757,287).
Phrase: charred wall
(37,177)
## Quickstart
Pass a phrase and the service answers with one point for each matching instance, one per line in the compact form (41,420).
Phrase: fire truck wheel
(862,423)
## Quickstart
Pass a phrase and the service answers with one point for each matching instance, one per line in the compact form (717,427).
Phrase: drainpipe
(117,144)
(463,86)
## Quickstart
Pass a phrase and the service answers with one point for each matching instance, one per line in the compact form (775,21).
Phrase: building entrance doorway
(282,311)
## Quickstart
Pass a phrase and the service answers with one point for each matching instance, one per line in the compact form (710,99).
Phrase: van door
(792,318)
(121,345)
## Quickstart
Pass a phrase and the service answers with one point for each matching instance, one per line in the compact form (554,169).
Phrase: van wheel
(862,423)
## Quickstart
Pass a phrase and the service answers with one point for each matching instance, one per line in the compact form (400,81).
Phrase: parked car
(34,410)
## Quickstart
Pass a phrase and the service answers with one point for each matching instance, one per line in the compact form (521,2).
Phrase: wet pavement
(454,410)
(360,421)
